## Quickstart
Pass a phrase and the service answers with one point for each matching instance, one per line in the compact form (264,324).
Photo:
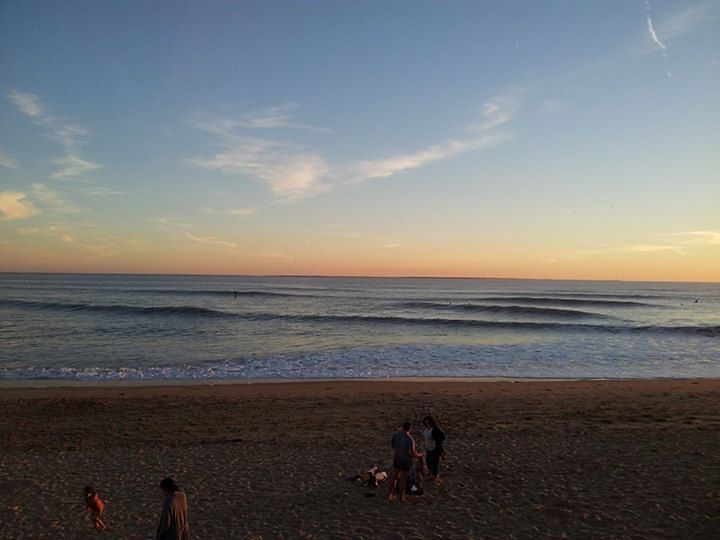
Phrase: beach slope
(586,459)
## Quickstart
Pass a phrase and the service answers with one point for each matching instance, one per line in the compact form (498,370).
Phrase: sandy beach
(582,459)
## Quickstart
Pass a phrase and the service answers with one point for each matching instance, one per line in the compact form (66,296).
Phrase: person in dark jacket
(404,452)
(173,519)
(434,438)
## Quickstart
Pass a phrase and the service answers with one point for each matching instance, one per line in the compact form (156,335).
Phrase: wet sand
(583,459)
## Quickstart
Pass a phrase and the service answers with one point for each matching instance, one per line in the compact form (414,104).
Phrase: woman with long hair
(173,519)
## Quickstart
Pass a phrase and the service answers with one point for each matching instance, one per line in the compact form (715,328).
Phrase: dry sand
(585,459)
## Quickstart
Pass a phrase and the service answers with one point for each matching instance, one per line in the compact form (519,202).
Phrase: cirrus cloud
(68,134)
(292,172)
(7,161)
(13,205)
(210,240)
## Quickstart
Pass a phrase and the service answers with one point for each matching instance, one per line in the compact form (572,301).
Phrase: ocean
(141,327)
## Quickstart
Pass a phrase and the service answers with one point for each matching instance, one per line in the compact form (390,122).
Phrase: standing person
(173,519)
(434,438)
(404,451)
(94,505)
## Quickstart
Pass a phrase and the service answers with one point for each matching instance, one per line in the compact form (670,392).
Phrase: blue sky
(526,139)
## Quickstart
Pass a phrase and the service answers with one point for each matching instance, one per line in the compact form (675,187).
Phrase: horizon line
(326,276)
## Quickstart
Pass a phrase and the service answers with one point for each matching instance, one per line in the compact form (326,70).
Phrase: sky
(519,139)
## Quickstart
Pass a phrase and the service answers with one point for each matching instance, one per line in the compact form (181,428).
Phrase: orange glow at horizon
(701,265)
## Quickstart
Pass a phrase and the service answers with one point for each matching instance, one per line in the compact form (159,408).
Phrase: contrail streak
(653,35)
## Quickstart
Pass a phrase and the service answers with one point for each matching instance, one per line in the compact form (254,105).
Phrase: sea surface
(134,327)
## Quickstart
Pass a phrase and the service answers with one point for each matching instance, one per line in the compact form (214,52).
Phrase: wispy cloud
(28,104)
(13,205)
(278,116)
(288,172)
(383,168)
(210,240)
(236,249)
(236,212)
(72,166)
(266,118)
(7,161)
(495,113)
(82,237)
(695,238)
(678,243)
(653,248)
(339,234)
(54,199)
(170,224)
(69,134)
(292,172)
(270,117)
(97,190)
(241,212)
(483,133)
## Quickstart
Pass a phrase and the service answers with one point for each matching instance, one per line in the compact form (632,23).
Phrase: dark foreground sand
(595,459)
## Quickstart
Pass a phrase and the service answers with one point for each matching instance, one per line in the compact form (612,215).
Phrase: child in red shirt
(95,506)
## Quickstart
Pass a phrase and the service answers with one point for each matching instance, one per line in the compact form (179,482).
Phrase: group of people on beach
(173,523)
(407,458)
(173,518)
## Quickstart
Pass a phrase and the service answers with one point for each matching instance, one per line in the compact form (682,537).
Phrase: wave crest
(194,311)
(507,310)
